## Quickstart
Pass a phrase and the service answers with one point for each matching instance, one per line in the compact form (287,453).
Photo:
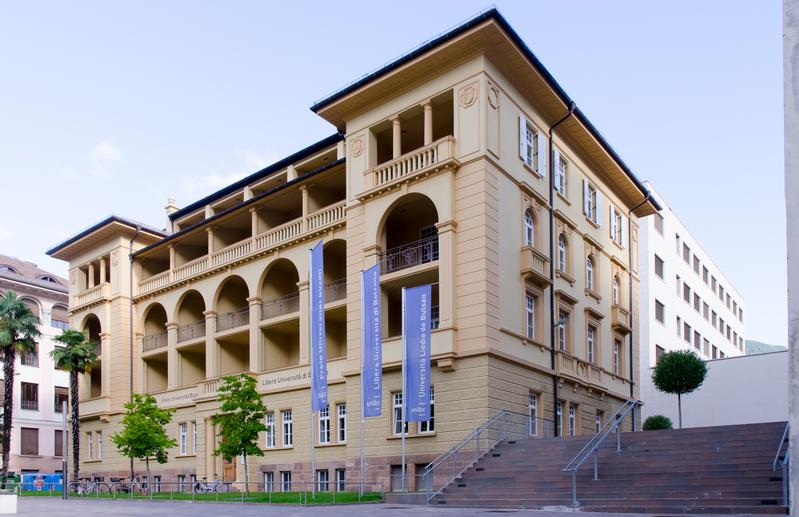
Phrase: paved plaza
(55,507)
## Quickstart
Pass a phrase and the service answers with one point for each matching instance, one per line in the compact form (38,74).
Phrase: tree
(18,333)
(657,422)
(76,356)
(143,435)
(679,372)
(240,419)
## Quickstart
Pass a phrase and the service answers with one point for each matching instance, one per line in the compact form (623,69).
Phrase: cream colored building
(439,172)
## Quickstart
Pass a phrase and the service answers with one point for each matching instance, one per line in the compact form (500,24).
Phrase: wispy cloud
(249,161)
(102,158)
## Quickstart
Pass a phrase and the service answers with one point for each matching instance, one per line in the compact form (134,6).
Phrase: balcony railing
(535,265)
(231,320)
(411,163)
(409,255)
(620,319)
(280,306)
(287,232)
(209,387)
(94,294)
(154,342)
(30,405)
(336,291)
(191,331)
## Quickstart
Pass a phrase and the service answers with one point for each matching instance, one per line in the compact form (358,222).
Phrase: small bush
(657,422)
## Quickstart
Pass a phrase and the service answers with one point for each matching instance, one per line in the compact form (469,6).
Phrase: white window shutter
(613,228)
(543,152)
(556,165)
(623,230)
(523,138)
(586,198)
(598,213)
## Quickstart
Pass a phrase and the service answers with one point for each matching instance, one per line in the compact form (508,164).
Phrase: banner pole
(313,373)
(363,365)
(404,398)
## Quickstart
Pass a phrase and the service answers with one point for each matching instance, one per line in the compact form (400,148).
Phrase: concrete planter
(8,503)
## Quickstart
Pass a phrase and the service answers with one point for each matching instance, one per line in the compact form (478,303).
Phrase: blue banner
(416,332)
(372,343)
(318,343)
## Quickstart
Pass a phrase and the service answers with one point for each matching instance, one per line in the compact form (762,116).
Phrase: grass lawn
(254,497)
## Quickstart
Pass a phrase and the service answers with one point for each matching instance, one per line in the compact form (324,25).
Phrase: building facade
(689,303)
(463,165)
(39,388)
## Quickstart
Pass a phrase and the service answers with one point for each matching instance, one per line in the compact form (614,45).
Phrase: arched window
(5,268)
(589,273)
(32,305)
(562,253)
(615,289)
(529,229)
(49,279)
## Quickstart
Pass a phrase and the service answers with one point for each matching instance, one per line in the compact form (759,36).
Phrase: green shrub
(657,422)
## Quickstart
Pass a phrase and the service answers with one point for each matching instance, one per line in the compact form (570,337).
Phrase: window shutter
(522,138)
(556,164)
(543,152)
(613,228)
(586,198)
(623,230)
(598,214)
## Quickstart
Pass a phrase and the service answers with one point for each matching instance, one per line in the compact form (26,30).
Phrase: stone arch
(231,295)
(189,308)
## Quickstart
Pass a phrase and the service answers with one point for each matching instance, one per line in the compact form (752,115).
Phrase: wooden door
(229,470)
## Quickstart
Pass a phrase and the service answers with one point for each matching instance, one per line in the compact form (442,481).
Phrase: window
(705,311)
(696,265)
(285,481)
(706,346)
(288,430)
(435,317)
(713,283)
(728,300)
(561,175)
(715,352)
(679,286)
(269,422)
(529,228)
(30,358)
(157,484)
(617,356)
(705,274)
(59,318)
(559,416)
(686,335)
(616,226)
(269,481)
(677,242)
(529,315)
(563,318)
(659,351)
(397,414)
(713,318)
(679,326)
(697,302)
(30,396)
(659,267)
(429,426)
(591,343)
(58,442)
(572,419)
(721,326)
(591,202)
(614,288)
(660,311)
(30,441)
(61,395)
(659,223)
(528,144)
(686,253)
(194,437)
(697,341)
(589,273)
(181,482)
(323,480)
(324,425)
(598,421)
(99,445)
(341,480)
(721,293)
(341,411)
(89,446)
(686,292)
(562,253)
(183,433)
(532,408)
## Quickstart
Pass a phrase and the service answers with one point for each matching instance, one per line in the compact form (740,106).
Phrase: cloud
(103,156)
(250,161)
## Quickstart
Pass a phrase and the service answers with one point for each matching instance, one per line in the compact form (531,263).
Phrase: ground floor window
(322,480)
(572,419)
(429,426)
(559,417)
(341,480)
(285,481)
(269,481)
(181,482)
(156,483)
(598,420)
(533,410)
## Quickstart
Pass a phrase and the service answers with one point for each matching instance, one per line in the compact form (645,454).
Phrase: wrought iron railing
(280,306)
(336,291)
(233,319)
(409,255)
(191,331)
(782,459)
(31,405)
(154,341)
(592,447)
(503,425)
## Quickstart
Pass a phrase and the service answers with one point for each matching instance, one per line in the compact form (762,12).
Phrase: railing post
(574,488)
(596,466)
(618,436)
(785,484)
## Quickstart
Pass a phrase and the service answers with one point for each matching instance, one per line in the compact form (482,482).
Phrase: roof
(489,15)
(266,171)
(61,250)
(29,273)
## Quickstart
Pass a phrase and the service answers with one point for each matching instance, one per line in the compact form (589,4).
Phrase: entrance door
(228,470)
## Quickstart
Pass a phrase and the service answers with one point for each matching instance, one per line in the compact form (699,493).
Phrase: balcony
(209,388)
(280,306)
(154,342)
(191,331)
(409,255)
(336,291)
(233,319)
(95,406)
(424,160)
(282,235)
(620,319)
(535,266)
(574,368)
(91,296)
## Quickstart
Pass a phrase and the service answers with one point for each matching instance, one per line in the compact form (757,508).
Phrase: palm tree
(19,328)
(76,356)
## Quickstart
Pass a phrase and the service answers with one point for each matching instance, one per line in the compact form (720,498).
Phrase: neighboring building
(688,303)
(438,172)
(738,390)
(39,388)
(758,347)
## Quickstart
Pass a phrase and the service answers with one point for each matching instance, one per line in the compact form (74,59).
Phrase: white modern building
(39,388)
(686,301)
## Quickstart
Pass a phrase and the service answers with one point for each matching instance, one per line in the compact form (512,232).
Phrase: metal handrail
(780,447)
(591,448)
(466,439)
(784,463)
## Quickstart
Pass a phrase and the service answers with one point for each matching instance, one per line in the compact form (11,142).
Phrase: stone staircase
(703,470)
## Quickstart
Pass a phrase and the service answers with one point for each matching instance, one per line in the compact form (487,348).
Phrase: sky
(112,107)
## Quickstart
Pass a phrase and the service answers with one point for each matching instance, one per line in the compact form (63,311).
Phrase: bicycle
(90,486)
(207,487)
(128,487)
